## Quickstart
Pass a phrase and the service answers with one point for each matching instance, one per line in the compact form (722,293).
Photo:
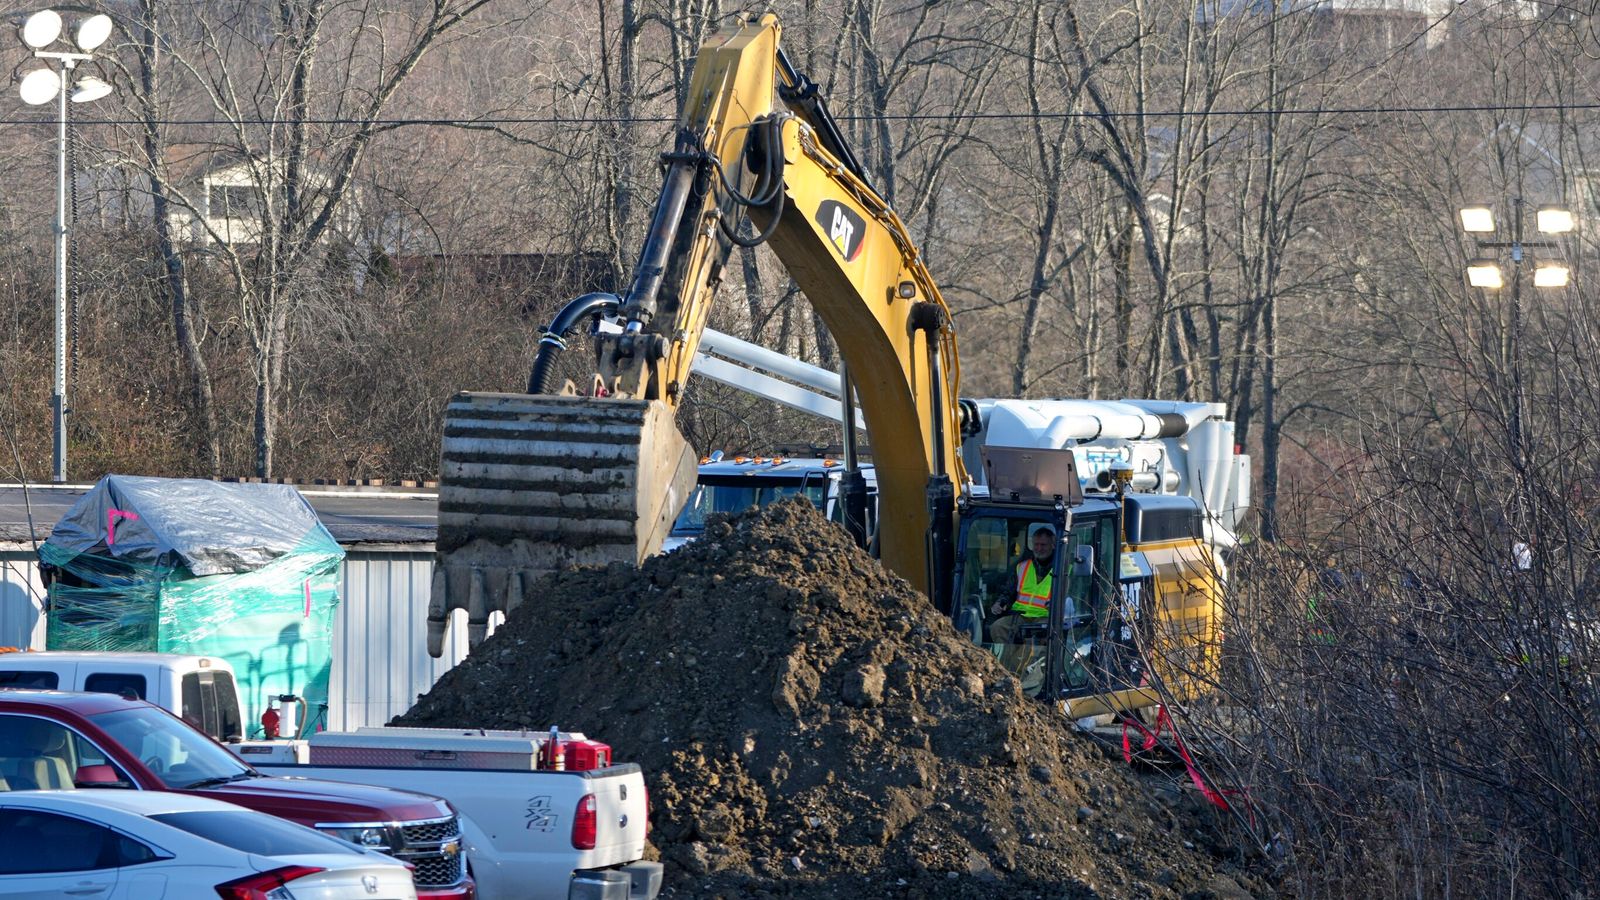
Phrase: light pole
(1484,272)
(42,33)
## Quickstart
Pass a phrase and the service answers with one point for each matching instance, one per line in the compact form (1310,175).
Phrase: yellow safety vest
(1033,593)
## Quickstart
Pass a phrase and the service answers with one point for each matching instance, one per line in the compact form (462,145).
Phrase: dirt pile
(810,727)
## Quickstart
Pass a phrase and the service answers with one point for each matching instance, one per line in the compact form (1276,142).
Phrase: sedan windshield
(178,755)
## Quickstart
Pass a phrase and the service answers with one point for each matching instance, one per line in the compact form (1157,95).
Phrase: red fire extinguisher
(555,755)
(269,723)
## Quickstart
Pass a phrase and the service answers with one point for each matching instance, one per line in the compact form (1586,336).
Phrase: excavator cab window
(1004,588)
(993,609)
(1091,590)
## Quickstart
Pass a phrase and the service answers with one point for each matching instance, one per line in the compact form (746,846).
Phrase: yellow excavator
(593,473)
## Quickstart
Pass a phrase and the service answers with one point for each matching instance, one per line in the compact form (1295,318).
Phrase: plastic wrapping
(241,571)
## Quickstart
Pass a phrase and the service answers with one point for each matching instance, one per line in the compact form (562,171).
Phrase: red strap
(1164,723)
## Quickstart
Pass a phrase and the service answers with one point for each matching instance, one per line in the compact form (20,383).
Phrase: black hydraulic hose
(929,319)
(765,147)
(763,153)
(802,94)
(554,339)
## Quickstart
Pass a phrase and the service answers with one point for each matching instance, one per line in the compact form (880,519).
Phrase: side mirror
(1083,563)
(101,776)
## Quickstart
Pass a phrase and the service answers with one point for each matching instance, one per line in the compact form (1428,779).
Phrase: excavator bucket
(533,483)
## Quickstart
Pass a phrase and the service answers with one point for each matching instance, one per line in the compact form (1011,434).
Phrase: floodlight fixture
(1551,275)
(1477,219)
(89,88)
(40,87)
(41,29)
(1554,220)
(93,31)
(1485,273)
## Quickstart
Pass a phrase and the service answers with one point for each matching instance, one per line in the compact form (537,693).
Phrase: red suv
(59,740)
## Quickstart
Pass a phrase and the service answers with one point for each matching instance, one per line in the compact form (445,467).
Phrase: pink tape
(308,598)
(112,515)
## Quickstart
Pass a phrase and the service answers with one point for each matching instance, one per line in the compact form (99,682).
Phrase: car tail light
(585,824)
(264,885)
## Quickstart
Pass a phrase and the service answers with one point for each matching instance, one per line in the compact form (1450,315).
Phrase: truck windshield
(179,755)
(745,492)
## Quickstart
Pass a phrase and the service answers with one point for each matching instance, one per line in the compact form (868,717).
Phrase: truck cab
(730,485)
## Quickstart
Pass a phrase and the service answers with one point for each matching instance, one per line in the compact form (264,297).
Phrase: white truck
(528,831)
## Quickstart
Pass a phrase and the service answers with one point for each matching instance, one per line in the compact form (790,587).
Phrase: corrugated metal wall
(380,651)
(380,648)
(21,599)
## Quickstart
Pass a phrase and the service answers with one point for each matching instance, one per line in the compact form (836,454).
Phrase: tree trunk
(1122,298)
(750,266)
(1271,428)
(175,280)
(1021,378)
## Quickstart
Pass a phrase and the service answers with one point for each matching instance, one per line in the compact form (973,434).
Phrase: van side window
(44,681)
(211,704)
(118,683)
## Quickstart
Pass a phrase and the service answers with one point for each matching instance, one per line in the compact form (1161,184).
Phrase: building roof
(354,516)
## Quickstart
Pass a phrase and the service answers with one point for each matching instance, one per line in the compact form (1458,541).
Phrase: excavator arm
(535,482)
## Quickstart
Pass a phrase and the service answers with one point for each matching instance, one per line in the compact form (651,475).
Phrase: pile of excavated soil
(811,727)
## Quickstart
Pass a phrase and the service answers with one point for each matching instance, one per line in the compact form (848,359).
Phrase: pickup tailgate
(518,825)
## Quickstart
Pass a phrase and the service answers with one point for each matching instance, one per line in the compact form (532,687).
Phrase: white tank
(1184,449)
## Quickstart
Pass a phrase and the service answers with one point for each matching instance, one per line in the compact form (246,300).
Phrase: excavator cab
(1041,614)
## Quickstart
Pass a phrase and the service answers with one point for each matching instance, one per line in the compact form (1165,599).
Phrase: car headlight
(382,838)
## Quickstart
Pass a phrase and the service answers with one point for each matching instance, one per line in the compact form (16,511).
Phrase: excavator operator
(1035,572)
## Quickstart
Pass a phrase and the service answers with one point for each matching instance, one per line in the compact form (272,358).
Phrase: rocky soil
(811,728)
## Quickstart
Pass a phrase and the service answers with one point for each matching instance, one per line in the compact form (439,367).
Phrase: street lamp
(1485,272)
(1550,220)
(42,33)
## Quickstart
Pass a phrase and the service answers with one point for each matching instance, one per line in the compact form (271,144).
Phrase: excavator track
(530,484)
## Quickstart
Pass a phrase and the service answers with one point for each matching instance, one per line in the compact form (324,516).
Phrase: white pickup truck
(574,834)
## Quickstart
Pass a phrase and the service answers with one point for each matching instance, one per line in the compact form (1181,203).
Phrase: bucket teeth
(530,484)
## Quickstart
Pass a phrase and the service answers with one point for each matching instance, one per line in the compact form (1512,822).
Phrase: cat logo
(845,229)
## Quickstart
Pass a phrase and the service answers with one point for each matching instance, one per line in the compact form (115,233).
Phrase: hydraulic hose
(764,155)
(554,340)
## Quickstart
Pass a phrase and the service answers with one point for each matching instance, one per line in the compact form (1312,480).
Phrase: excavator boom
(535,482)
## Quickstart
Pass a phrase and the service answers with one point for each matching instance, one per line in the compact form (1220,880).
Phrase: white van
(198,688)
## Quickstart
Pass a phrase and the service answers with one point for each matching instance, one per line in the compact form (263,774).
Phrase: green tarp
(241,571)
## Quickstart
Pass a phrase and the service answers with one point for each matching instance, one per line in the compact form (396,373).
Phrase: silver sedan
(137,845)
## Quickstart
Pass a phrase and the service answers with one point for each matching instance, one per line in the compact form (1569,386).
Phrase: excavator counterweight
(534,483)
